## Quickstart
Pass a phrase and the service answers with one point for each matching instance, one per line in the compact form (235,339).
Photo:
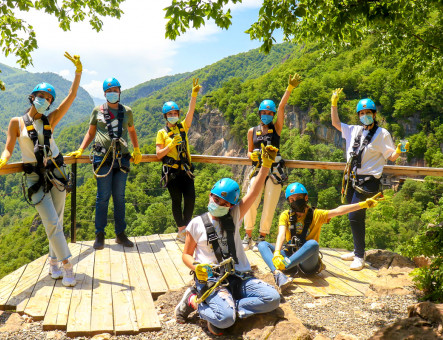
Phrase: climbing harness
(46,164)
(354,163)
(225,270)
(114,149)
(227,267)
(278,173)
(170,165)
(298,239)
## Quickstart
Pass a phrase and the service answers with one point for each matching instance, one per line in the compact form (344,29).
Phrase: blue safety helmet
(295,188)
(227,189)
(366,104)
(267,105)
(169,106)
(110,82)
(45,87)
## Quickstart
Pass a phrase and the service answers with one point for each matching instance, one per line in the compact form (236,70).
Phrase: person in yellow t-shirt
(299,228)
(172,147)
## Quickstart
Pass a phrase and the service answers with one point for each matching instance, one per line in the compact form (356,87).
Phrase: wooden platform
(116,286)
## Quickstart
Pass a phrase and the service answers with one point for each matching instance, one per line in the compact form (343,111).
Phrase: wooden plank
(311,285)
(176,256)
(342,275)
(56,316)
(157,283)
(257,260)
(23,290)
(369,270)
(79,319)
(339,287)
(147,317)
(364,275)
(125,319)
(170,273)
(101,315)
(8,284)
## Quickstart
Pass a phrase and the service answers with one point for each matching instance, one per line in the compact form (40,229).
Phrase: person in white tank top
(50,205)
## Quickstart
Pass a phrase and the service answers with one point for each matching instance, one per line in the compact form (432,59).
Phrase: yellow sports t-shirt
(320,218)
(164,139)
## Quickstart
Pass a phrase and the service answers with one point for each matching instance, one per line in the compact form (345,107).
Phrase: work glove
(76,61)
(255,156)
(335,95)
(398,150)
(174,142)
(195,87)
(371,202)
(202,270)
(76,154)
(3,162)
(293,81)
(136,155)
(278,260)
(268,155)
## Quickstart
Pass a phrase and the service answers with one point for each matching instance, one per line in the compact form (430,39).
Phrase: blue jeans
(220,308)
(357,218)
(115,184)
(306,256)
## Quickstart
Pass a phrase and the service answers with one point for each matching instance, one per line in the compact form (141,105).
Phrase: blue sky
(134,49)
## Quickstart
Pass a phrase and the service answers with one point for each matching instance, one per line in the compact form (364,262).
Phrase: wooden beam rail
(388,169)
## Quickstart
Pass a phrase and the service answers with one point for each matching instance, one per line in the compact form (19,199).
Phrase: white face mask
(41,104)
(112,97)
(217,210)
(173,120)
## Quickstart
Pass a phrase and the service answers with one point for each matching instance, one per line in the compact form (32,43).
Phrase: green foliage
(429,242)
(412,28)
(18,37)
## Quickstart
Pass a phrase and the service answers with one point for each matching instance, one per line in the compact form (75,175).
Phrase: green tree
(18,36)
(414,27)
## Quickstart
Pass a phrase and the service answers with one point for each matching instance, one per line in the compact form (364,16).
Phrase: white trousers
(51,210)
(272,195)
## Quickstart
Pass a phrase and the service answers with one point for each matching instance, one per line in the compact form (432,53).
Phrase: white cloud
(246,4)
(94,88)
(65,74)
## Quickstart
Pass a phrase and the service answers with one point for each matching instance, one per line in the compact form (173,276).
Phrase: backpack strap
(307,223)
(357,149)
(227,225)
(108,119)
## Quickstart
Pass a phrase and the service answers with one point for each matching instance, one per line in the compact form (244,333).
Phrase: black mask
(299,205)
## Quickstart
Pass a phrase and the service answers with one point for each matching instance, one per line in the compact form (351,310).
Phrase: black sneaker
(99,240)
(281,280)
(214,330)
(184,308)
(124,240)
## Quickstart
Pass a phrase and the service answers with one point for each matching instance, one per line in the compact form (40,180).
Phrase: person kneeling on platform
(300,227)
(224,286)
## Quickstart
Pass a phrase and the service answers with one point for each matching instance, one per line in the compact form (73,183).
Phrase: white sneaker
(357,264)
(68,277)
(348,257)
(55,271)
(181,236)
(247,242)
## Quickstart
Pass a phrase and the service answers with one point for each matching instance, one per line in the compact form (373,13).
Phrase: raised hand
(268,155)
(293,81)
(76,61)
(335,95)
(195,87)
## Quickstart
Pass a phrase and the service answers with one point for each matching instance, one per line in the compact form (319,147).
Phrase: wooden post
(74,203)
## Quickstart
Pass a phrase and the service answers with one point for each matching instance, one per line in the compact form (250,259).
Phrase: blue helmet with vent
(110,82)
(295,188)
(169,106)
(366,104)
(227,189)
(267,105)
(45,87)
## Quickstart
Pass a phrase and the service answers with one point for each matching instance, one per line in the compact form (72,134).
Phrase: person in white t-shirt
(367,165)
(245,295)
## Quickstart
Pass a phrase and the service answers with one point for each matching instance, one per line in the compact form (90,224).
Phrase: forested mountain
(408,106)
(19,84)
